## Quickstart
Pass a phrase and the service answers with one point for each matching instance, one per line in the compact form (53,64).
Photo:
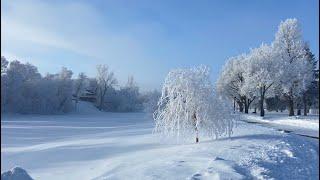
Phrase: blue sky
(144,38)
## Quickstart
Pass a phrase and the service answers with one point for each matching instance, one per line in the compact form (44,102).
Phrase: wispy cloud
(76,28)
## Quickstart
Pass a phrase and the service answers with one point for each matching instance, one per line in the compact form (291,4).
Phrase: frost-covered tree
(312,91)
(261,73)
(231,82)
(295,71)
(19,78)
(284,68)
(24,90)
(188,107)
(105,79)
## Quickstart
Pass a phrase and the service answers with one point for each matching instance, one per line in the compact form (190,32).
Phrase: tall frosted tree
(295,70)
(261,73)
(188,107)
(310,96)
(231,81)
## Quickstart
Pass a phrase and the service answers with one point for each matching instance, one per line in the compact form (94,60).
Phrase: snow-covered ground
(303,125)
(121,146)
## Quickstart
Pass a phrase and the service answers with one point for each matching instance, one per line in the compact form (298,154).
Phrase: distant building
(88,95)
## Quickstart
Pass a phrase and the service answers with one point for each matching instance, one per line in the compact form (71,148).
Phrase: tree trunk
(255,110)
(246,109)
(196,128)
(262,101)
(240,107)
(299,106)
(291,110)
(62,103)
(76,105)
(299,112)
(246,106)
(100,103)
(261,108)
(102,98)
(305,108)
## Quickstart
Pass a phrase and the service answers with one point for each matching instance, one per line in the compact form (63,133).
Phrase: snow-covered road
(121,146)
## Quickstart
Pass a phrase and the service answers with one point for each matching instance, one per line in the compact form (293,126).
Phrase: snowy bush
(188,108)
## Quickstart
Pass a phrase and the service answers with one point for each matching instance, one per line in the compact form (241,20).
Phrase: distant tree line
(25,90)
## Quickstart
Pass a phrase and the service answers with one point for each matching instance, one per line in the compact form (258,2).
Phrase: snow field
(121,146)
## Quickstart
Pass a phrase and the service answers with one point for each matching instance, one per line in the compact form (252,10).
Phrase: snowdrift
(16,173)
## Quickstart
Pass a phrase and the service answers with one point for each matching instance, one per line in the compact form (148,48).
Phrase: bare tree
(105,79)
